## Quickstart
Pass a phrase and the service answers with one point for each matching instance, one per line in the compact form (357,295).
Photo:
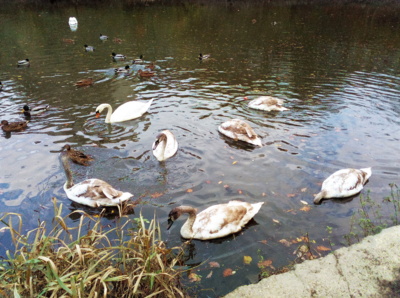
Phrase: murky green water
(336,67)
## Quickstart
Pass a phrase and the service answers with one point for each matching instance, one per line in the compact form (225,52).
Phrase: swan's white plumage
(92,192)
(239,130)
(216,221)
(267,103)
(165,145)
(127,111)
(343,183)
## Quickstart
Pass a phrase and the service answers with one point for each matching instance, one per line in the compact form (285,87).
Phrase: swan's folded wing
(111,192)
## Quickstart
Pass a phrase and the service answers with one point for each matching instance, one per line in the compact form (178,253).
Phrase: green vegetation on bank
(129,260)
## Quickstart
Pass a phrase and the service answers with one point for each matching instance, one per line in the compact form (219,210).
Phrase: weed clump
(125,261)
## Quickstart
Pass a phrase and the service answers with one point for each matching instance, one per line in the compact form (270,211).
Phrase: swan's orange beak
(97,114)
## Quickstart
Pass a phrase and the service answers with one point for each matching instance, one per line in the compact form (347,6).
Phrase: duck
(84,82)
(124,70)
(127,111)
(138,60)
(118,56)
(88,48)
(35,110)
(204,57)
(103,37)
(24,62)
(145,73)
(267,103)
(13,126)
(91,192)
(240,130)
(343,183)
(165,145)
(77,156)
(216,221)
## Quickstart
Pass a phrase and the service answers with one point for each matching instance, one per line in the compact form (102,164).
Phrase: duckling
(76,156)
(145,73)
(118,57)
(24,62)
(239,130)
(35,110)
(84,82)
(88,48)
(216,221)
(124,70)
(343,183)
(13,126)
(204,57)
(91,192)
(267,103)
(165,145)
(138,60)
(103,37)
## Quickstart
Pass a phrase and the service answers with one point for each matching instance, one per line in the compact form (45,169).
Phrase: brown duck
(13,126)
(84,82)
(76,156)
(145,74)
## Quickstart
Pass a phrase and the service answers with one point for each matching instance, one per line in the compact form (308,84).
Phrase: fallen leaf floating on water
(240,191)
(214,264)
(156,195)
(228,272)
(304,190)
(247,260)
(276,221)
(291,195)
(235,162)
(263,241)
(304,202)
(265,263)
(189,190)
(285,242)
(209,274)
(305,208)
(193,277)
(323,248)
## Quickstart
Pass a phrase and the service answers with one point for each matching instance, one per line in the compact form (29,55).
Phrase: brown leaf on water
(291,195)
(226,186)
(235,162)
(156,195)
(240,191)
(304,189)
(209,274)
(265,263)
(285,242)
(219,182)
(303,202)
(228,272)
(276,221)
(323,248)
(214,264)
(263,194)
(193,277)
(208,181)
(305,208)
(263,241)
(189,190)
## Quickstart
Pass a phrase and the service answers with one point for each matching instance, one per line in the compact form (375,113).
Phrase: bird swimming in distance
(24,62)
(267,103)
(118,57)
(88,48)
(204,57)
(13,126)
(36,110)
(103,37)
(165,145)
(127,111)
(240,130)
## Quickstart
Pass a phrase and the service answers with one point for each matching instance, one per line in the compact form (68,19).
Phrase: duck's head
(4,122)
(66,147)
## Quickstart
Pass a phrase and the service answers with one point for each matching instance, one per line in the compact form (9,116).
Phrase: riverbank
(370,268)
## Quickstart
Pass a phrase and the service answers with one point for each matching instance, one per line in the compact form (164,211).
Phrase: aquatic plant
(129,260)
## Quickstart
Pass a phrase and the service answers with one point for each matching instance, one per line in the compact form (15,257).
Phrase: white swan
(92,192)
(165,145)
(343,183)
(216,221)
(239,130)
(267,103)
(127,111)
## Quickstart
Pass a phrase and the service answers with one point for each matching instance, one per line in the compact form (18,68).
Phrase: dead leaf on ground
(228,272)
(214,264)
(323,248)
(193,277)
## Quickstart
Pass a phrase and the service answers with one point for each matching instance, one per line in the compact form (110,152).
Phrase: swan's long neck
(187,227)
(109,113)
(68,173)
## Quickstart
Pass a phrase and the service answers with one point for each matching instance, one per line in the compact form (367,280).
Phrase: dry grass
(126,261)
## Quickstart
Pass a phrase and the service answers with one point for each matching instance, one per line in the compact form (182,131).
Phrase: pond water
(335,66)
